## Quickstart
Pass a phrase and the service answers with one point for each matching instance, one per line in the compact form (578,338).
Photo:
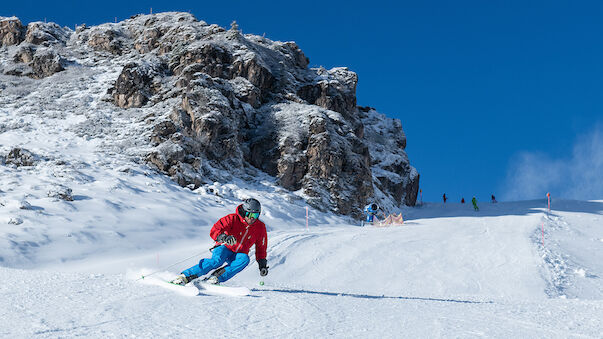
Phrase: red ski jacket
(247,235)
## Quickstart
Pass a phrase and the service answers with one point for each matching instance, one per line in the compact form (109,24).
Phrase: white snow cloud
(577,176)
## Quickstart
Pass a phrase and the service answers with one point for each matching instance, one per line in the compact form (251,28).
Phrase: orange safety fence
(392,220)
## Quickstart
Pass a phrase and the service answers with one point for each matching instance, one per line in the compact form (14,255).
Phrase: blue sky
(485,89)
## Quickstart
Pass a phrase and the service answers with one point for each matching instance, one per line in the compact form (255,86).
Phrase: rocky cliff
(219,103)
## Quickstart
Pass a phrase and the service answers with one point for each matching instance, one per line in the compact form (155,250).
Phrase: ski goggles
(252,215)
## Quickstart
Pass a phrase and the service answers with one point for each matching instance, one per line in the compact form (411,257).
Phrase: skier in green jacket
(474,202)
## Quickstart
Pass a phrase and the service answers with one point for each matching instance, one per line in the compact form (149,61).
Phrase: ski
(214,289)
(188,290)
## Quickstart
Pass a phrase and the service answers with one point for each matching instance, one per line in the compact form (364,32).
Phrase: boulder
(21,157)
(60,192)
(46,62)
(11,31)
(41,33)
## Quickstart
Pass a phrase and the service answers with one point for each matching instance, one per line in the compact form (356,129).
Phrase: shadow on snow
(367,296)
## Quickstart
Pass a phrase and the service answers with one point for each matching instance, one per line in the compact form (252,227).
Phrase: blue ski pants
(220,255)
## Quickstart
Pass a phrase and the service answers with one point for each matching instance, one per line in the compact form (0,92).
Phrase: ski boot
(212,279)
(180,280)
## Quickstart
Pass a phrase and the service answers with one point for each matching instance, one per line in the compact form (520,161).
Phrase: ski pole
(252,254)
(172,265)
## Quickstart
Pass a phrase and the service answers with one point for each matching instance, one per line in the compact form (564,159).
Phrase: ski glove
(262,263)
(227,239)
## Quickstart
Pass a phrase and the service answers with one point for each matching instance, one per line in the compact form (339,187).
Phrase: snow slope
(448,272)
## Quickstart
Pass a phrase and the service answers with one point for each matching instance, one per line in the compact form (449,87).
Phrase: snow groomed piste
(446,272)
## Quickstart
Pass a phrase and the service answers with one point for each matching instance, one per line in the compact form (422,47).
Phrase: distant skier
(444,197)
(494,199)
(234,235)
(462,200)
(371,210)
(474,202)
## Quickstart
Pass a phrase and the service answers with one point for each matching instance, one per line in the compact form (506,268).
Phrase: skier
(493,199)
(234,235)
(462,200)
(371,210)
(444,197)
(474,202)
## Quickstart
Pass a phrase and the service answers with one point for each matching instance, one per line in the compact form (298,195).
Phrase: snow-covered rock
(21,157)
(42,33)
(11,31)
(46,62)
(218,103)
